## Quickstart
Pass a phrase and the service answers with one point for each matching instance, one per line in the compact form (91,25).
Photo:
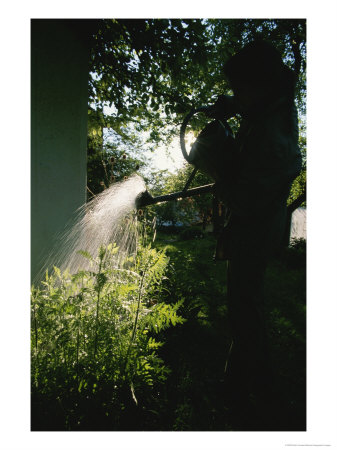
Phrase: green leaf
(85,254)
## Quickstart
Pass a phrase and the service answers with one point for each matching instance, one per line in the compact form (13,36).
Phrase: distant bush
(296,253)
(169,229)
(191,233)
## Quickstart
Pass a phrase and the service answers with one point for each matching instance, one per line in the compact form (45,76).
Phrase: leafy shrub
(169,229)
(296,253)
(191,233)
(93,339)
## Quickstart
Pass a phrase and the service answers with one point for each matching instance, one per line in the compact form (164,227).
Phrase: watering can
(207,151)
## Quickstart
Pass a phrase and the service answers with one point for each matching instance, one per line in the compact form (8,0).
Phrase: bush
(192,233)
(93,340)
(169,229)
(296,253)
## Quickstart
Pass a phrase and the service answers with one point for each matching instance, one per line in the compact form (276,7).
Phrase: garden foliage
(93,337)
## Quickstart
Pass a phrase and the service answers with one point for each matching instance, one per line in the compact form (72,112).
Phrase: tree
(148,70)
(152,72)
(110,157)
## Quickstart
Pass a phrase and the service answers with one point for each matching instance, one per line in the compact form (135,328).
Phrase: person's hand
(223,108)
(213,112)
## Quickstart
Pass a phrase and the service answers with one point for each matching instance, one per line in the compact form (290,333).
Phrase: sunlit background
(170,158)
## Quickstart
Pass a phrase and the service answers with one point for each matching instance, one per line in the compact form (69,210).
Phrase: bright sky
(169,158)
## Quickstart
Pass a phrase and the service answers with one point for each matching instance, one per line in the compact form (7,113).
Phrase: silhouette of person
(255,184)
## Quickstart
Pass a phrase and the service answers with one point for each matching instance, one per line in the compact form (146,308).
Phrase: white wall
(59,96)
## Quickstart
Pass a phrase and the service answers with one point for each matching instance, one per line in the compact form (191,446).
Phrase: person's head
(257,71)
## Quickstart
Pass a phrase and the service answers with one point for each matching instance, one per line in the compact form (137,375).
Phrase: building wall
(59,98)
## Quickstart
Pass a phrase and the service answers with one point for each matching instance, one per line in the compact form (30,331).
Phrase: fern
(94,329)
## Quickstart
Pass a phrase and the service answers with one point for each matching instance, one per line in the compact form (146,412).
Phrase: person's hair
(259,63)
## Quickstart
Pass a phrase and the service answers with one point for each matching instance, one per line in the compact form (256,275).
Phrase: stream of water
(108,218)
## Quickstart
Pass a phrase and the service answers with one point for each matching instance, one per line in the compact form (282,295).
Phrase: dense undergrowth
(94,347)
(107,356)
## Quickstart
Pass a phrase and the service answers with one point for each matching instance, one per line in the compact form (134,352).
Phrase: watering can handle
(183,129)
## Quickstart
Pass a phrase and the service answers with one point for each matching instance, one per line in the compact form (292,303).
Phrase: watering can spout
(144,199)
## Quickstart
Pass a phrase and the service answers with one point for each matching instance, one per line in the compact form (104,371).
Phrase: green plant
(192,233)
(93,338)
(295,254)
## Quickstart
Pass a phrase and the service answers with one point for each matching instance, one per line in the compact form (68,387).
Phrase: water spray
(109,216)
